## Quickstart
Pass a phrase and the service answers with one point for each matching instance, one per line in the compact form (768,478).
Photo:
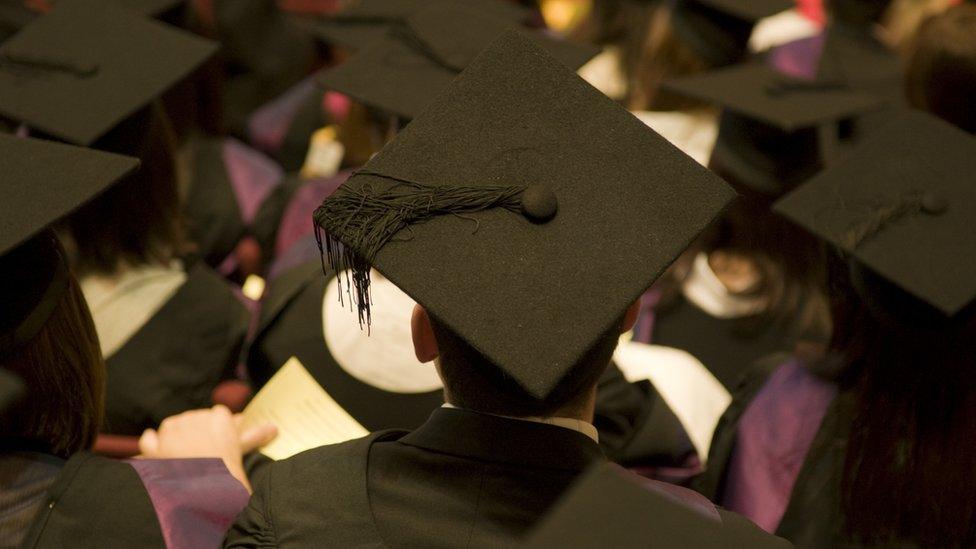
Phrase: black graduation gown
(175,360)
(637,428)
(812,517)
(725,346)
(463,479)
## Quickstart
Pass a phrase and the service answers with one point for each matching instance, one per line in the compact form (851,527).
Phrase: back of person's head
(137,220)
(941,76)
(64,377)
(908,470)
(471,381)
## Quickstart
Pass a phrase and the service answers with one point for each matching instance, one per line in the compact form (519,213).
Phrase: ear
(630,317)
(424,342)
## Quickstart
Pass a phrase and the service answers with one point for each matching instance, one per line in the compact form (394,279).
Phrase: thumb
(255,437)
(149,443)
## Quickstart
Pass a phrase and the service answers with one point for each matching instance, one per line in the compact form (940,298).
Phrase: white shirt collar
(574,424)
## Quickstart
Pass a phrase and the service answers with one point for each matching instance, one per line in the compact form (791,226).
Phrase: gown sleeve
(253,527)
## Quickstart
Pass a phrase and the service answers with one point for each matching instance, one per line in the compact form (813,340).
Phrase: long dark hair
(909,468)
(64,376)
(137,221)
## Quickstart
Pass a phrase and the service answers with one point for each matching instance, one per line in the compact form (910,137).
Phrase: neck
(582,408)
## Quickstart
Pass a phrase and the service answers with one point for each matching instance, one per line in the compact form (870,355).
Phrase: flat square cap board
(42,182)
(902,203)
(566,209)
(746,10)
(401,72)
(78,71)
(361,23)
(760,92)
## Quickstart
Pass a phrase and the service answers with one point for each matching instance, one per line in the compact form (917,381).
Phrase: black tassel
(357,221)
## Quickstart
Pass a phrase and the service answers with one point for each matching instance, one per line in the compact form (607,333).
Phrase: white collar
(383,356)
(703,288)
(571,423)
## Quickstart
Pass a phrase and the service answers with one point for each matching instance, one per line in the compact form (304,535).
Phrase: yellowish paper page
(306,416)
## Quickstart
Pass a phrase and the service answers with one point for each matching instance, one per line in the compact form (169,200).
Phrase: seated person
(53,491)
(520,316)
(869,445)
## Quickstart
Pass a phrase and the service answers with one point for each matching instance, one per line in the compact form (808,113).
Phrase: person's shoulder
(745,533)
(332,460)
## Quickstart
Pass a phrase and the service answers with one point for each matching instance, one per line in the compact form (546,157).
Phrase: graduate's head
(137,221)
(525,240)
(941,74)
(91,74)
(471,380)
(47,337)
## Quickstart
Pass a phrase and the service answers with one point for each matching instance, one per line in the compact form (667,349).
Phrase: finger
(255,437)
(221,410)
(149,443)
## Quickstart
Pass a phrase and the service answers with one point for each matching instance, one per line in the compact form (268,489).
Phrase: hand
(213,432)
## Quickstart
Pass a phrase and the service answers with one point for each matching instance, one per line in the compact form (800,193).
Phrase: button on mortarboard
(902,204)
(401,72)
(80,70)
(533,298)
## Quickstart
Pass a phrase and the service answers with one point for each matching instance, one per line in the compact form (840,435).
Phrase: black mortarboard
(78,71)
(523,209)
(43,181)
(401,72)
(611,507)
(902,204)
(360,24)
(719,30)
(16,14)
(768,134)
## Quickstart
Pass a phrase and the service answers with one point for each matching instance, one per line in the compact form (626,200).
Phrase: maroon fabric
(800,58)
(196,500)
(116,446)
(772,441)
(268,126)
(296,222)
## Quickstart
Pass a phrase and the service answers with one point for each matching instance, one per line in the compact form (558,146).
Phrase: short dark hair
(138,219)
(64,376)
(941,75)
(473,382)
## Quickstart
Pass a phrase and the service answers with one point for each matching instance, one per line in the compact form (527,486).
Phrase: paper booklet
(306,416)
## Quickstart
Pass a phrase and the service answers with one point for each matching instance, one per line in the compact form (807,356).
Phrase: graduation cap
(523,209)
(361,23)
(611,507)
(901,204)
(400,72)
(719,30)
(35,195)
(16,14)
(78,71)
(769,133)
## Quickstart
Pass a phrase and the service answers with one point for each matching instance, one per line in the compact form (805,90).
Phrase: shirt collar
(574,424)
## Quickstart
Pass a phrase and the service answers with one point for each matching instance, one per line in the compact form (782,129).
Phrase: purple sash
(252,175)
(296,222)
(196,500)
(774,436)
(800,58)
(268,126)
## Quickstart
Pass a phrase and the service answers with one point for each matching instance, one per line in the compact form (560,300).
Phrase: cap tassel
(366,218)
(26,61)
